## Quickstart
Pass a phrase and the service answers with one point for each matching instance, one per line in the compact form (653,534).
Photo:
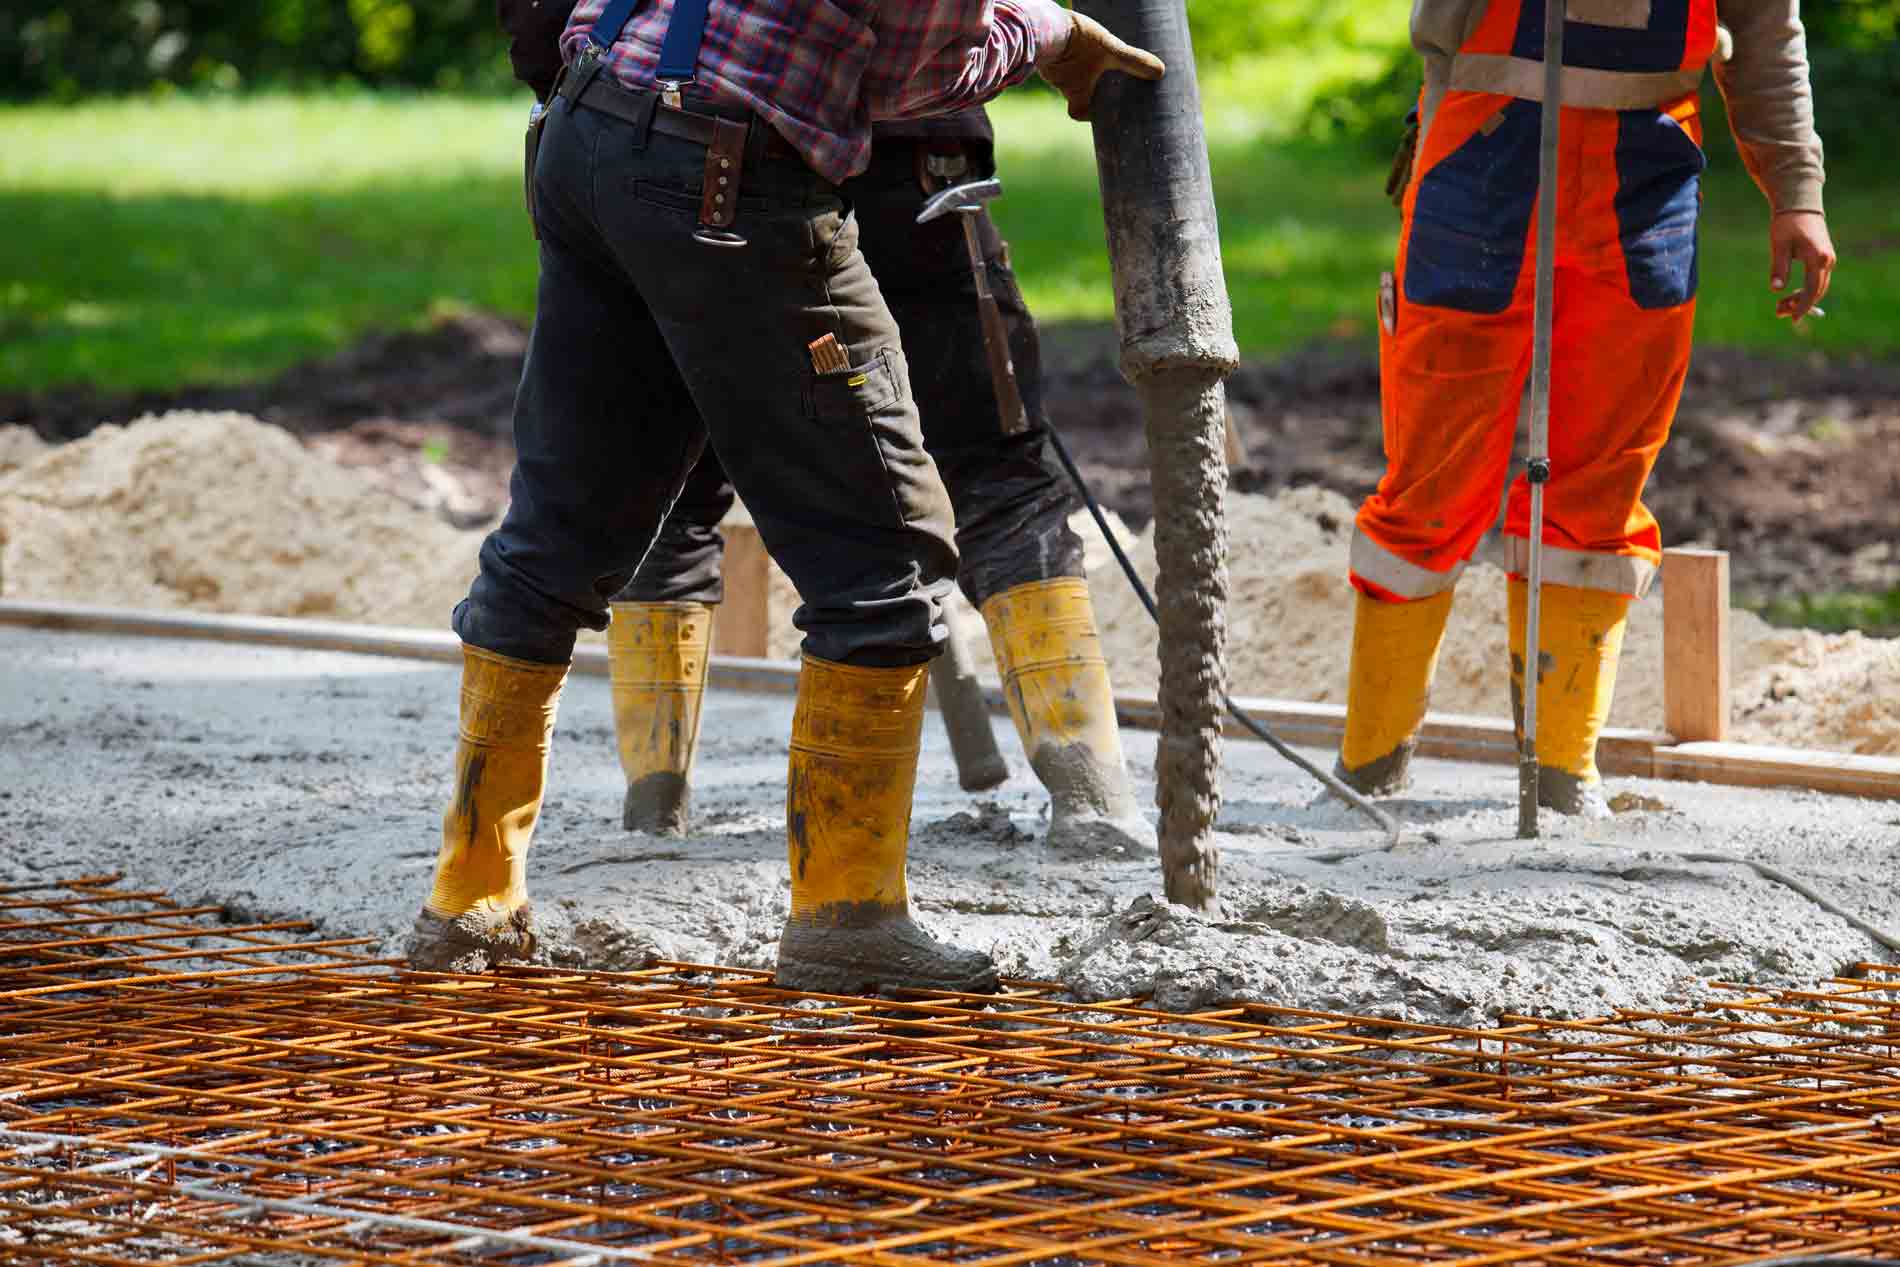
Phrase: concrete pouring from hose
(1177,348)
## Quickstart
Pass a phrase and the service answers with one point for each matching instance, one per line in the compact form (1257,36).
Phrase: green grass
(1876,613)
(153,243)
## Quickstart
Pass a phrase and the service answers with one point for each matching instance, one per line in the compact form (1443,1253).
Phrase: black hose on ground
(1388,824)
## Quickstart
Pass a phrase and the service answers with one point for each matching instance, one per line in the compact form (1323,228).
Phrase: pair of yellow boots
(1054,677)
(851,774)
(1395,652)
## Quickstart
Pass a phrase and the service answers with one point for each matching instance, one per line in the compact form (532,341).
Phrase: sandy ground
(220,512)
(304,784)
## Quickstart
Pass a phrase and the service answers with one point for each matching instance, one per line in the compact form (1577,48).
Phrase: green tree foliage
(114,46)
(1853,45)
(67,51)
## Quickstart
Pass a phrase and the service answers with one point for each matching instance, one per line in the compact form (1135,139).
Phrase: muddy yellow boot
(1580,634)
(1056,682)
(1394,654)
(657,655)
(477,912)
(855,734)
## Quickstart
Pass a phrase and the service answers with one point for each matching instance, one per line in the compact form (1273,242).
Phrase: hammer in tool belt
(966,715)
(966,202)
(1537,461)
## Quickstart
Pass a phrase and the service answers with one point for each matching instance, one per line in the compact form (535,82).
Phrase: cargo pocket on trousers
(1471,217)
(870,440)
(1658,202)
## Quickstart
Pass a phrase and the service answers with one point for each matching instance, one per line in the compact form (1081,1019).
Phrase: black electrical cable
(1391,826)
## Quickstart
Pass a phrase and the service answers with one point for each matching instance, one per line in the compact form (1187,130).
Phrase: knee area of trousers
(511,632)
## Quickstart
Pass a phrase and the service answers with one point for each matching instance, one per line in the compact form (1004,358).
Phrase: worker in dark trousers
(701,280)
(1021,564)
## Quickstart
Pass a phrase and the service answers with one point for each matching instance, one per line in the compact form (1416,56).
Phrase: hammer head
(965,199)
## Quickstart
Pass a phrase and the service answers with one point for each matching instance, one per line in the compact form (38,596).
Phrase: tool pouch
(719,194)
(537,119)
(1397,180)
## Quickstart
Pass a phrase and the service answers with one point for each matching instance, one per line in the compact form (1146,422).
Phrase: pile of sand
(220,512)
(18,446)
(1290,624)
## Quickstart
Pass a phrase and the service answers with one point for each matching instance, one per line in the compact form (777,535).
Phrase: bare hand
(1092,51)
(1800,235)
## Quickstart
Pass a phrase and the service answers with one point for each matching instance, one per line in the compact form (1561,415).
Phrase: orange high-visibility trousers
(1455,342)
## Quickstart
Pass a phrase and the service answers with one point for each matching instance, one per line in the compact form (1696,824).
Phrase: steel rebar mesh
(290,1101)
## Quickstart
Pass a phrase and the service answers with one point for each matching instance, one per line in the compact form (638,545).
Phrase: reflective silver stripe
(1592,89)
(1373,562)
(1630,15)
(1586,569)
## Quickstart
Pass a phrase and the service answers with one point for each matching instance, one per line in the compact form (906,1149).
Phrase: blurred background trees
(122,46)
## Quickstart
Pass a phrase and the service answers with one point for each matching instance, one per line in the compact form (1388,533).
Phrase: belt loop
(758,141)
(585,68)
(646,103)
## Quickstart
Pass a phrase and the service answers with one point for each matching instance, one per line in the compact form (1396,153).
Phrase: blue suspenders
(679,51)
(679,62)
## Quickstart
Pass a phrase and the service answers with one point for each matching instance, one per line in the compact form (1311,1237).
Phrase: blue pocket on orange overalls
(1472,216)
(1659,182)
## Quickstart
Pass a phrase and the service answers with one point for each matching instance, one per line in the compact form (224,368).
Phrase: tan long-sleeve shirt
(1764,80)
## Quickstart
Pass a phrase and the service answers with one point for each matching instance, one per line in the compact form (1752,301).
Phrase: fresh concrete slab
(310,784)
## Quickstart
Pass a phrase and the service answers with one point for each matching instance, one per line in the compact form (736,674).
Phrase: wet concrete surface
(284,784)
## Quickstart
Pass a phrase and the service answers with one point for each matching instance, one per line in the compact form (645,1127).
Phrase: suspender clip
(670,91)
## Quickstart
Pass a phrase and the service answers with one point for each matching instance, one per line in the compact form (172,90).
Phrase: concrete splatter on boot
(1394,656)
(477,912)
(1580,632)
(852,770)
(1056,681)
(471,942)
(657,655)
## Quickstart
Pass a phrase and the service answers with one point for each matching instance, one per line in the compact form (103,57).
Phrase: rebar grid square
(174,1089)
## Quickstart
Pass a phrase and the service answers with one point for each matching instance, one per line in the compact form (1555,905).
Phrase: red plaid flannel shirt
(821,71)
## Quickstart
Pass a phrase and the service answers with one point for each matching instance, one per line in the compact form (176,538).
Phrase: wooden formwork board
(1456,737)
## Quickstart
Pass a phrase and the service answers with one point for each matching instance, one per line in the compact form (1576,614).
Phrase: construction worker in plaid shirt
(695,250)
(1455,345)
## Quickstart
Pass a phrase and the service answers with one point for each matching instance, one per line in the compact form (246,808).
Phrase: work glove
(1092,51)
(1803,236)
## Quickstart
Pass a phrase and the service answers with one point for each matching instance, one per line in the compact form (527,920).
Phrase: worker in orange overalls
(1455,344)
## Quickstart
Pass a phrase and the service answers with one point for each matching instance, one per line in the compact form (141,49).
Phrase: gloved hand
(1092,51)
(1803,236)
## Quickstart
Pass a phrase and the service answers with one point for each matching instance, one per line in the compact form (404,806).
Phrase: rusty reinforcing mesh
(176,1090)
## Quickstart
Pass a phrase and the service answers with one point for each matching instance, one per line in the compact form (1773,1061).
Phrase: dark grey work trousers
(646,345)
(1012,503)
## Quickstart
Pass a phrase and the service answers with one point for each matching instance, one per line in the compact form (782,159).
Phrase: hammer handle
(966,714)
(1009,402)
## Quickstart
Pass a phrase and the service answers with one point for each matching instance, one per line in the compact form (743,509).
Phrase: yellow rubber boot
(855,735)
(1394,655)
(1056,681)
(657,655)
(1580,635)
(477,912)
